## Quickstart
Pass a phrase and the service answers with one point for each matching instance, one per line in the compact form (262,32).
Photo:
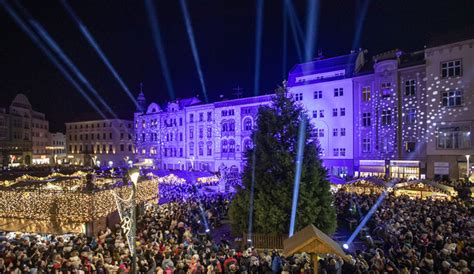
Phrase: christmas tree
(274,152)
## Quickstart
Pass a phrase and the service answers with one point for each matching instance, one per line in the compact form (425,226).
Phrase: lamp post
(134,174)
(468,167)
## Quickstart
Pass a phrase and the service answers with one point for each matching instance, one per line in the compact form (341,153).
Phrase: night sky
(225,37)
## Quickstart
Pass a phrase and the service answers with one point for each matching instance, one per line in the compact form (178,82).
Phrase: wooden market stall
(423,189)
(314,242)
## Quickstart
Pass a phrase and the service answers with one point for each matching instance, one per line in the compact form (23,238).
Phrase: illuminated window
(365,145)
(343,131)
(386,117)
(318,94)
(451,68)
(366,122)
(410,87)
(334,132)
(343,111)
(366,94)
(452,98)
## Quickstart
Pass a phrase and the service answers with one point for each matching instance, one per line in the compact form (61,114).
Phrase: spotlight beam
(192,42)
(360,23)
(156,33)
(252,194)
(55,47)
(295,21)
(295,34)
(85,32)
(299,164)
(312,19)
(50,56)
(258,46)
(285,43)
(370,213)
(52,44)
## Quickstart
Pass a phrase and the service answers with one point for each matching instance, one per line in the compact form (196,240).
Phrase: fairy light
(65,201)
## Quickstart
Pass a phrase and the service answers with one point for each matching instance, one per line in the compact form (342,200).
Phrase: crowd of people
(176,236)
(172,237)
(409,235)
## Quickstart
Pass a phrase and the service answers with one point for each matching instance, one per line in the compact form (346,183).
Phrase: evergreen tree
(275,148)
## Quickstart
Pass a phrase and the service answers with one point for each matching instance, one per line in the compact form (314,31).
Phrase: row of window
(409,146)
(92,136)
(89,149)
(96,125)
(201,148)
(201,116)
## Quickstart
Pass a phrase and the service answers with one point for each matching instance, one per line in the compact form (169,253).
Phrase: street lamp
(134,174)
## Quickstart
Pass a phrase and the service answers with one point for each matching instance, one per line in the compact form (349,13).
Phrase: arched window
(231,125)
(201,148)
(231,146)
(191,149)
(248,144)
(224,146)
(209,148)
(247,124)
(224,126)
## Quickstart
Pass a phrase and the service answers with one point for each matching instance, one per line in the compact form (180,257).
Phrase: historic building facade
(190,135)
(390,109)
(23,134)
(450,116)
(401,114)
(100,142)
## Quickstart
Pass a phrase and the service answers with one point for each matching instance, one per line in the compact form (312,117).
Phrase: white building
(324,87)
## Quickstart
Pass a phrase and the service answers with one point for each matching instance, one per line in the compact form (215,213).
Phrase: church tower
(141,100)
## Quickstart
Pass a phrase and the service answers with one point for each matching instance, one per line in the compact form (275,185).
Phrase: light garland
(69,206)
